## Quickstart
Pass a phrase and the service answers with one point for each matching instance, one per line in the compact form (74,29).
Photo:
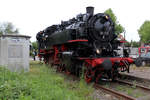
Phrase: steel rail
(132,84)
(134,77)
(115,93)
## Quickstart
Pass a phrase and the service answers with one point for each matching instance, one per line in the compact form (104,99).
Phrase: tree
(132,44)
(144,32)
(118,27)
(8,28)
(35,46)
(135,43)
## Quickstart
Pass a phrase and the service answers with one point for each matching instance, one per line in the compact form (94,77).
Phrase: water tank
(14,52)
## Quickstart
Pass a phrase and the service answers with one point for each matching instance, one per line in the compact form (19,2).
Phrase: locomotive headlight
(98,51)
(46,36)
(106,17)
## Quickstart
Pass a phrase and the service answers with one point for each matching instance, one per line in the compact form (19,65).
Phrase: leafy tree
(8,28)
(35,46)
(132,43)
(127,44)
(135,44)
(144,32)
(118,27)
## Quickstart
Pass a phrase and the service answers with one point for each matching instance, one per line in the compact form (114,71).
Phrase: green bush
(12,85)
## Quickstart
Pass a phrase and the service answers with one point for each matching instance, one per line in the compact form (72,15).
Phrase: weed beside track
(41,83)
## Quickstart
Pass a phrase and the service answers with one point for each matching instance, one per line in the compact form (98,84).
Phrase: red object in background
(143,49)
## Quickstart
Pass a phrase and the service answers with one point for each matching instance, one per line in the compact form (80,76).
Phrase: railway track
(133,84)
(117,94)
(134,77)
(137,80)
(120,96)
(122,93)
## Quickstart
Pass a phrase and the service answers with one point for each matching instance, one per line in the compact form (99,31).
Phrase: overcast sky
(31,16)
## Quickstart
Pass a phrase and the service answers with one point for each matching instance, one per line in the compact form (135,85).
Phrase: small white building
(14,52)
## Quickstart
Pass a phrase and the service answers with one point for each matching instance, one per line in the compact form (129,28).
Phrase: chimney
(90,10)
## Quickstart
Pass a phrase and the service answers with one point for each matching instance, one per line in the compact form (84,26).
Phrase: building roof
(15,35)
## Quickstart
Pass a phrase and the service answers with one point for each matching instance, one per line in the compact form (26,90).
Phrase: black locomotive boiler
(85,45)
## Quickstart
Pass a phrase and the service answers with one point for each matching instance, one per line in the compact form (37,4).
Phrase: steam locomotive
(85,45)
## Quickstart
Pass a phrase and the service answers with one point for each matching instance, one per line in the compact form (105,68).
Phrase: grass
(41,83)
